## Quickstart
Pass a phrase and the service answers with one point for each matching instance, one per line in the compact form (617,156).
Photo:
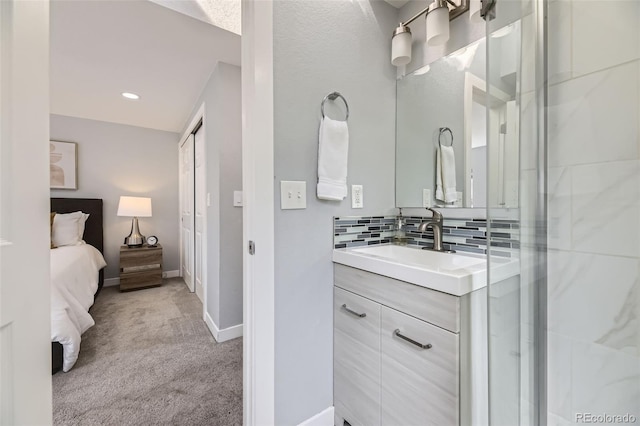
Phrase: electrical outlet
(426,198)
(357,198)
(458,202)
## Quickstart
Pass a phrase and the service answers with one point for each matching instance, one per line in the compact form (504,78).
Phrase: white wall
(594,209)
(116,159)
(223,145)
(320,47)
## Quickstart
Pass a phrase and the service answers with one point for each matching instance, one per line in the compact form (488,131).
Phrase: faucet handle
(435,214)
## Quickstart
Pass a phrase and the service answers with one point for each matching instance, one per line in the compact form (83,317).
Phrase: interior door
(186,211)
(200,212)
(25,322)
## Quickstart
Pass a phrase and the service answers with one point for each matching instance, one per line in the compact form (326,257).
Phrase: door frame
(475,89)
(258,213)
(25,311)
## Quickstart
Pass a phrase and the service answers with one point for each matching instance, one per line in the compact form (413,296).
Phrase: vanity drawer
(420,386)
(356,360)
(438,308)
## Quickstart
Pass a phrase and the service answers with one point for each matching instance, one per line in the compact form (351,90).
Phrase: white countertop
(453,273)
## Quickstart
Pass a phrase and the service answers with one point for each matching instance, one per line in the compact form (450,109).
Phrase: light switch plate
(357,197)
(237,198)
(426,197)
(293,195)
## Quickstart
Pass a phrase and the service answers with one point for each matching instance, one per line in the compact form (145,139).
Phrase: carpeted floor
(151,360)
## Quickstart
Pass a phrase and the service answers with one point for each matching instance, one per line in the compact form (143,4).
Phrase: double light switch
(293,195)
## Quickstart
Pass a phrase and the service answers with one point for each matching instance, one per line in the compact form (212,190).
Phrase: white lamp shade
(134,207)
(438,26)
(474,11)
(401,49)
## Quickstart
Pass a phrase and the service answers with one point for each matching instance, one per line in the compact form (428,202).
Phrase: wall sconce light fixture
(438,14)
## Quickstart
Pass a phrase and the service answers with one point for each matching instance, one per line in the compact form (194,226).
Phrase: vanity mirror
(449,102)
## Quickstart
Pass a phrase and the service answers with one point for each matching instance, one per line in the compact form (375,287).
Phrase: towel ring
(332,97)
(443,130)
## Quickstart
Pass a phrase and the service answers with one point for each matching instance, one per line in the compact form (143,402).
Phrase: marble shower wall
(594,209)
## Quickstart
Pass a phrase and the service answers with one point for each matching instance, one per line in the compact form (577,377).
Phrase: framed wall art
(63,165)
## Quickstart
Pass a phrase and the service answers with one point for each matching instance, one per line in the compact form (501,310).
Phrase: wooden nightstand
(140,267)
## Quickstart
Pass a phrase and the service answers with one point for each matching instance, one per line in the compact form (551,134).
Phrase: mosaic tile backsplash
(464,235)
(354,231)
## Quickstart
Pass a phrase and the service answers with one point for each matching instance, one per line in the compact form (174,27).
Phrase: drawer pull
(352,312)
(410,340)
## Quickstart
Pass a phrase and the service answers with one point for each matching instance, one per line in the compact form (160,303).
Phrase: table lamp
(134,207)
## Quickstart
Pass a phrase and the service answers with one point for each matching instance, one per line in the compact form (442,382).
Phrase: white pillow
(81,223)
(68,229)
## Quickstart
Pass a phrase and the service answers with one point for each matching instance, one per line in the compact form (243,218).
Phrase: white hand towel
(333,153)
(446,174)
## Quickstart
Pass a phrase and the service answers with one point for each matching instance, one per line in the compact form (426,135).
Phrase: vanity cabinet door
(356,359)
(419,386)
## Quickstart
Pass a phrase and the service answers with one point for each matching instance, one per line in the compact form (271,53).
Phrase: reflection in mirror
(452,93)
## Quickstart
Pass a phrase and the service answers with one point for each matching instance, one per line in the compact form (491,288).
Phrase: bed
(77,275)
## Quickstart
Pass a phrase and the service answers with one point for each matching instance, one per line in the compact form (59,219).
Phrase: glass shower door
(516,214)
(564,334)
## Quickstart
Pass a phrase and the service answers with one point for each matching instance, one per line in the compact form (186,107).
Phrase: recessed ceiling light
(130,95)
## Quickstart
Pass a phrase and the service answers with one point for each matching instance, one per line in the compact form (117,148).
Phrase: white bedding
(74,282)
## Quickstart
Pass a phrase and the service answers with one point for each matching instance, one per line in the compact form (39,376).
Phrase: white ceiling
(397,3)
(100,49)
(225,14)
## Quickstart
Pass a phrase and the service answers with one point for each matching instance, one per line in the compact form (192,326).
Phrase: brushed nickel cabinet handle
(352,312)
(410,340)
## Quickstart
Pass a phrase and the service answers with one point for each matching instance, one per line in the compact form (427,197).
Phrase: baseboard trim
(112,282)
(171,274)
(224,334)
(323,418)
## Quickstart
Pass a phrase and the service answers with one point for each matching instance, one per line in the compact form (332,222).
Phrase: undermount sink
(452,273)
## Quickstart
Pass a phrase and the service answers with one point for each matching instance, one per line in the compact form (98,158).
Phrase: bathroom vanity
(405,353)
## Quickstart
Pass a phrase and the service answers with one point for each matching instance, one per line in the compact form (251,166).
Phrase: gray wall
(223,127)
(116,159)
(321,47)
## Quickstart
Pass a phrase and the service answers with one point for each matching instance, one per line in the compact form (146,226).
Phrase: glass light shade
(438,26)
(474,11)
(134,207)
(401,49)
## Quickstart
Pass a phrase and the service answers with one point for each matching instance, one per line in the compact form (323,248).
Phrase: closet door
(200,212)
(186,211)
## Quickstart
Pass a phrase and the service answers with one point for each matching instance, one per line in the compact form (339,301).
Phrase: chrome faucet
(436,225)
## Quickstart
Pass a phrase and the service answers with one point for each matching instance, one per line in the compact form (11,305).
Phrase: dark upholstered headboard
(93,232)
